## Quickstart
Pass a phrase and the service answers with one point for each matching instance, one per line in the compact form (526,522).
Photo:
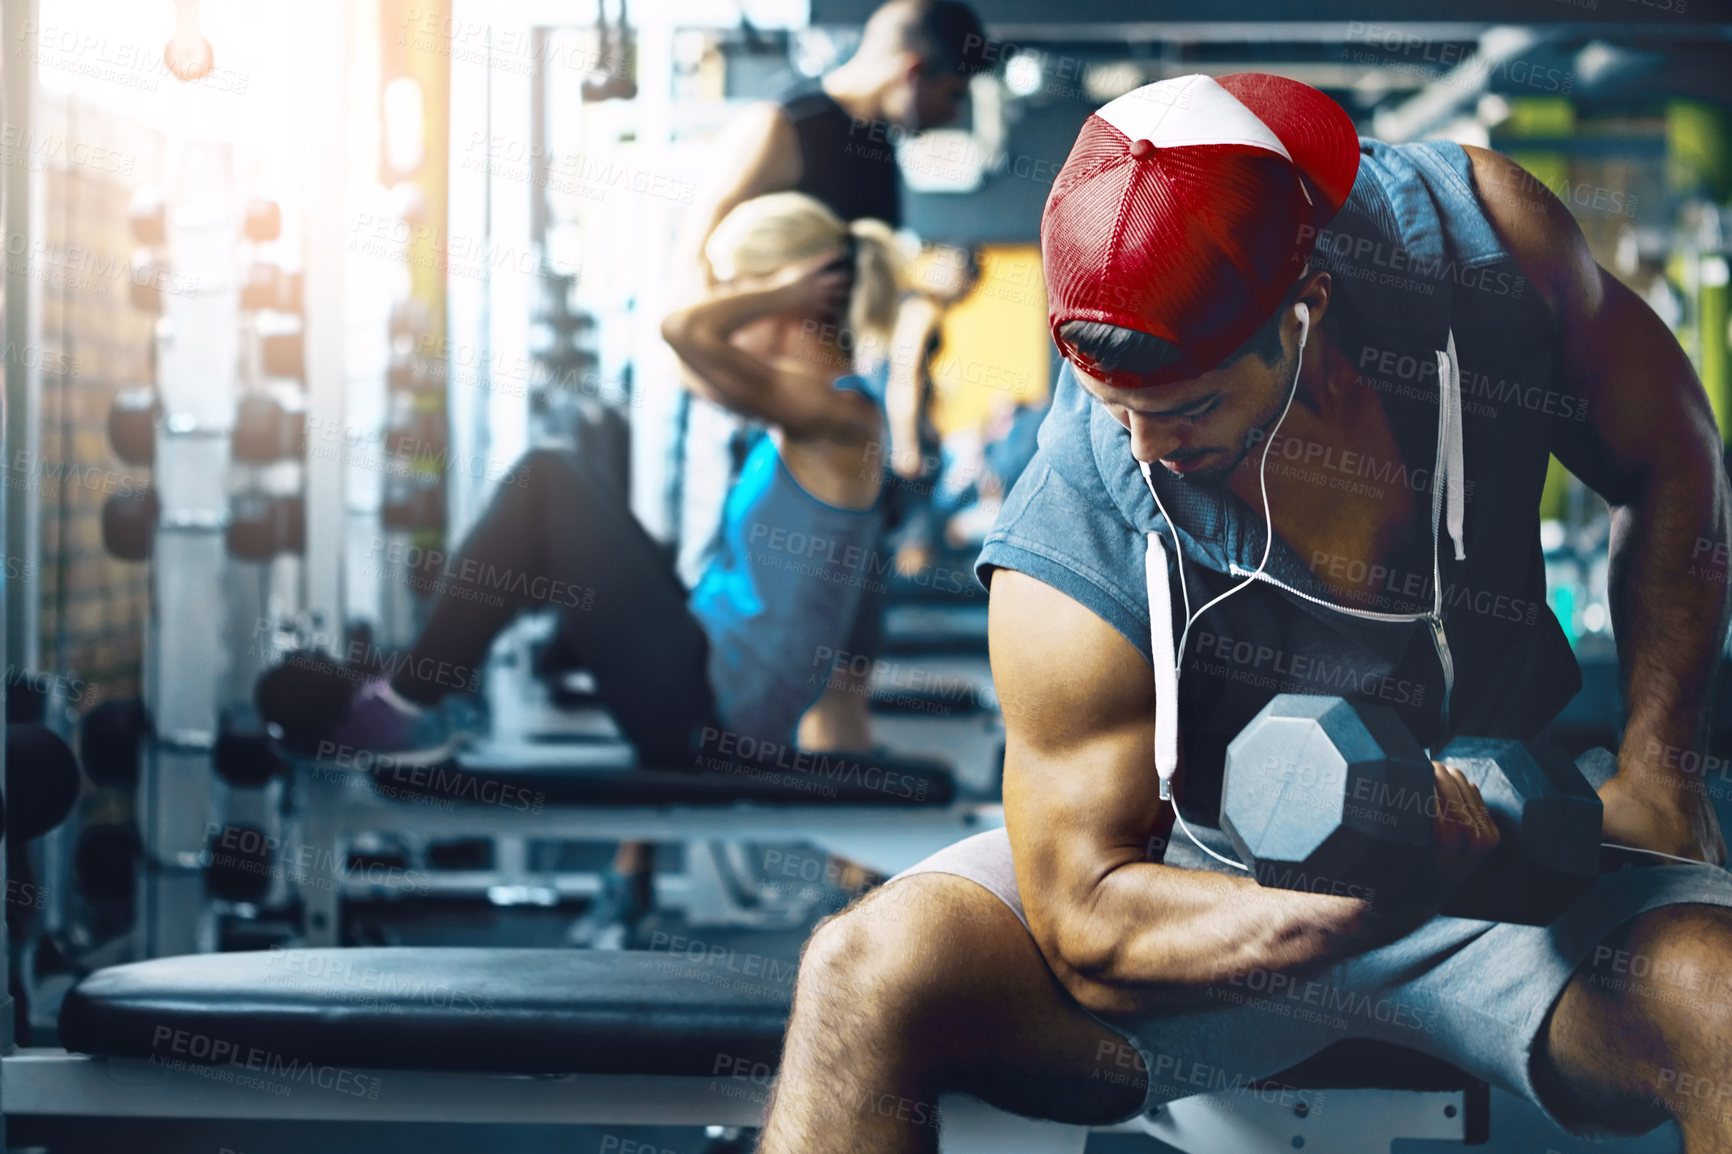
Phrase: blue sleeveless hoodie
(779,598)
(1460,348)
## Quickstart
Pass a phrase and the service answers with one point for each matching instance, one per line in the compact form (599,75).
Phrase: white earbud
(1304,323)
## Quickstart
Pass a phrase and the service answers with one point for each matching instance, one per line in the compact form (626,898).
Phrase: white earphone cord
(1166,745)
(1655,853)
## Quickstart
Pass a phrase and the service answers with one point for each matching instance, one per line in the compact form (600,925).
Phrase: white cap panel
(1188,110)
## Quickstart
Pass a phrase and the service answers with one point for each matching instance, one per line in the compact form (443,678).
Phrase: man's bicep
(1062,673)
(1080,793)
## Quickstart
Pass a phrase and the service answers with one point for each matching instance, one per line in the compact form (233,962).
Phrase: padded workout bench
(444,1036)
(885,813)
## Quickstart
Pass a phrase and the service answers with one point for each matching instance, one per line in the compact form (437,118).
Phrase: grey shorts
(1474,994)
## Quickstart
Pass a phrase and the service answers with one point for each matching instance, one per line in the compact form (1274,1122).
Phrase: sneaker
(382,723)
(614,916)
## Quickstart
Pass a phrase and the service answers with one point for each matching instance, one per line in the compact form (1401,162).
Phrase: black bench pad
(853,779)
(514,1011)
(501,1010)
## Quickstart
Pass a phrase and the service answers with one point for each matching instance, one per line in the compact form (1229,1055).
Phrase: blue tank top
(1414,261)
(779,598)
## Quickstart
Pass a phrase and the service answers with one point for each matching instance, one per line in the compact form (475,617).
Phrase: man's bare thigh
(1010,1033)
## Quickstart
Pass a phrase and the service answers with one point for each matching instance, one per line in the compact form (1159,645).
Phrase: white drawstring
(1167,674)
(1161,650)
(1166,667)
(1450,451)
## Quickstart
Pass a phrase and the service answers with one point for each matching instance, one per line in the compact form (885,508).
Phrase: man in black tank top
(849,166)
(834,138)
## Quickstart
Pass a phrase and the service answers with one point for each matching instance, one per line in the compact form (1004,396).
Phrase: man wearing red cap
(1312,387)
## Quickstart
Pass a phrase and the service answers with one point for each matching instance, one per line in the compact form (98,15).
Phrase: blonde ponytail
(763,235)
(880,274)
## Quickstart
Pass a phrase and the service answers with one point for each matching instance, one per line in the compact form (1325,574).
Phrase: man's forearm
(1194,929)
(1668,590)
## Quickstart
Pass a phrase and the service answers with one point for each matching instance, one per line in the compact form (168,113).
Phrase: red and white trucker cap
(1186,210)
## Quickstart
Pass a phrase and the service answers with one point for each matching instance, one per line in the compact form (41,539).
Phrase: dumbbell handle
(1598,766)
(1547,811)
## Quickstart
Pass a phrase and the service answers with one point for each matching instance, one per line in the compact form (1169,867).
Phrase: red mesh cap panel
(1194,234)
(1195,245)
(1316,131)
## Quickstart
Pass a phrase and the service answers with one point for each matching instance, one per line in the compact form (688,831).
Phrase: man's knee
(891,947)
(1675,964)
(859,947)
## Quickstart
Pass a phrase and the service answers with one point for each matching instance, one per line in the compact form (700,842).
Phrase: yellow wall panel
(996,351)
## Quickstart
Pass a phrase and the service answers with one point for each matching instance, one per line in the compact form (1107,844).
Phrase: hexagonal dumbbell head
(1322,794)
(260,434)
(148,216)
(132,425)
(144,283)
(1549,818)
(264,219)
(129,523)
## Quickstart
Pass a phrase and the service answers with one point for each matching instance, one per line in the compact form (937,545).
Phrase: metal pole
(22,190)
(326,232)
(16,410)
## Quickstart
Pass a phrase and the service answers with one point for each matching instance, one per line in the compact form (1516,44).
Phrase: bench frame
(54,1084)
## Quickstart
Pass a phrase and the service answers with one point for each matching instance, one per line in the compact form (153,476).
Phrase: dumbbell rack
(201,637)
(414,458)
(266,540)
(197,348)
